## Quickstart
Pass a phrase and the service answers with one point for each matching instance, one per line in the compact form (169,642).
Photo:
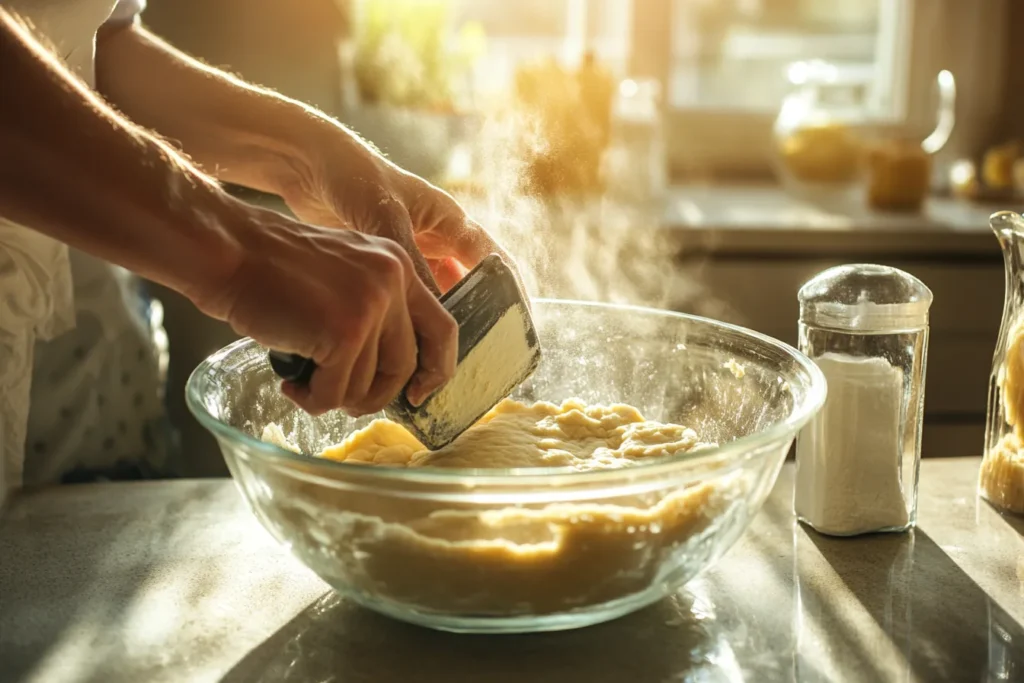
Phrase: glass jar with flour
(857,461)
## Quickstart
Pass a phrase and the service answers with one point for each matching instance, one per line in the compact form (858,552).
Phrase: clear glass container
(636,165)
(536,549)
(1002,470)
(899,169)
(866,327)
(818,148)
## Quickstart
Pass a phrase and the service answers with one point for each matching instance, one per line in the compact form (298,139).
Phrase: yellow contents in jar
(1002,474)
(899,175)
(824,153)
(506,557)
(1002,470)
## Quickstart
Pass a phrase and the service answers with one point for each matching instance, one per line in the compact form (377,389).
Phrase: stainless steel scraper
(498,350)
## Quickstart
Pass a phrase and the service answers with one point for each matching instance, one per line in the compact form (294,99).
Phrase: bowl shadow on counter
(945,625)
(335,639)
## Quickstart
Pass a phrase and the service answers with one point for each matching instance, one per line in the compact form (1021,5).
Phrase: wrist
(295,144)
(312,147)
(206,263)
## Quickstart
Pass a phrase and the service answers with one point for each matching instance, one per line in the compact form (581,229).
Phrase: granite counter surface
(176,581)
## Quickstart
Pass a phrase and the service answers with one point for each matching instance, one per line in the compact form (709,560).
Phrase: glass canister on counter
(817,147)
(857,461)
(1001,480)
(899,173)
(636,169)
(899,169)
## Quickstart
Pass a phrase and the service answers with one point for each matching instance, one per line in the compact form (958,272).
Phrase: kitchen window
(734,55)
(726,65)
(722,63)
(528,30)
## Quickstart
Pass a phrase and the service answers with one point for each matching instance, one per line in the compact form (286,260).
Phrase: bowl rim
(728,453)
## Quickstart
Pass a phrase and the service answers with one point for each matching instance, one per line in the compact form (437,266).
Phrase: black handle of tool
(292,367)
(299,370)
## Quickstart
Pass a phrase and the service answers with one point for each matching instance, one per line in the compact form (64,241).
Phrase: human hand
(347,184)
(349,301)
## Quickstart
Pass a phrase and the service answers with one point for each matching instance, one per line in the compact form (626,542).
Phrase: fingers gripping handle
(422,268)
(299,370)
(292,367)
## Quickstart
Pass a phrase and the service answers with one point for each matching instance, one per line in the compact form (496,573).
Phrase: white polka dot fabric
(98,390)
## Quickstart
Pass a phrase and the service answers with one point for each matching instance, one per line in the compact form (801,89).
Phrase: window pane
(538,18)
(733,54)
(532,30)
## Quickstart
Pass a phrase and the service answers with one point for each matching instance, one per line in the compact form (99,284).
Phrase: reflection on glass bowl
(534,549)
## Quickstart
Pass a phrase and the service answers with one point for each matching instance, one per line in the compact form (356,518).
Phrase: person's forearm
(71,168)
(240,133)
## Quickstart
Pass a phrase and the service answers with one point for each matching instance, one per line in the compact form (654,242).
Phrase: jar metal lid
(865,298)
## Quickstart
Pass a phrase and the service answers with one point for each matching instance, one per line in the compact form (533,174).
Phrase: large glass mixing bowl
(533,549)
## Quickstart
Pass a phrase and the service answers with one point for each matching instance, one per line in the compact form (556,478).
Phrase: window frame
(712,141)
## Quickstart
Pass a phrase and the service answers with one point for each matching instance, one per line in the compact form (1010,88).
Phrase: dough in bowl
(513,559)
(517,435)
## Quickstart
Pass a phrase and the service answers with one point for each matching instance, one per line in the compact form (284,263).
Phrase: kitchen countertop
(176,581)
(763,220)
